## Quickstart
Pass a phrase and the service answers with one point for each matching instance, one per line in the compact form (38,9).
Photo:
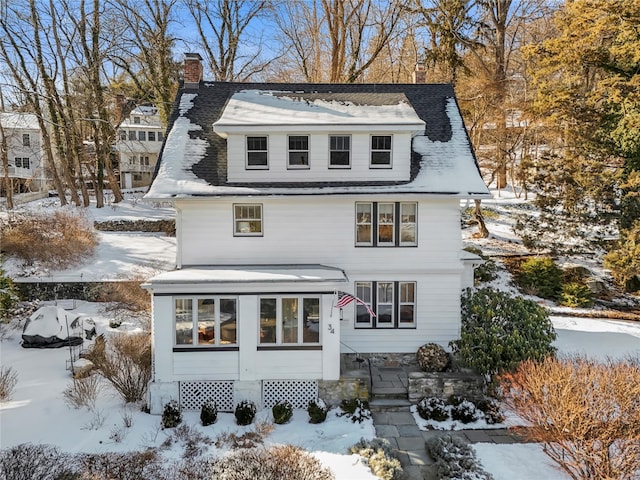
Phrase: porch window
(247,220)
(289,320)
(257,152)
(298,151)
(339,151)
(205,321)
(381,151)
(394,304)
(386,224)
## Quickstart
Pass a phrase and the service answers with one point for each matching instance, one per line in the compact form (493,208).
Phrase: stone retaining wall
(164,226)
(445,384)
(89,291)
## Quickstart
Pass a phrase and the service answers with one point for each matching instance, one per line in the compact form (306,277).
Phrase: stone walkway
(395,423)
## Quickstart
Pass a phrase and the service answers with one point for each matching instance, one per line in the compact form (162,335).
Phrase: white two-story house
(286,194)
(138,143)
(24,152)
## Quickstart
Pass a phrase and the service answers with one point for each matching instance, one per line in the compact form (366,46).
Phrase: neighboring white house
(24,152)
(139,140)
(286,194)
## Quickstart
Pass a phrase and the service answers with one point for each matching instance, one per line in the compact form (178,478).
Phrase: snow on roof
(184,152)
(253,107)
(145,110)
(24,121)
(252,274)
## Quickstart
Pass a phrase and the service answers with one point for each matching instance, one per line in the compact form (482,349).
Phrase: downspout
(178,237)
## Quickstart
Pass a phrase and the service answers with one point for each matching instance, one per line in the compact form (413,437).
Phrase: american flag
(345,299)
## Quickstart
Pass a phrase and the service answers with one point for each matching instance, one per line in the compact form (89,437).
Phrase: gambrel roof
(193,161)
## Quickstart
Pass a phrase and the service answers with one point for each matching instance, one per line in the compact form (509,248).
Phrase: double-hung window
(132,135)
(142,136)
(339,151)
(22,162)
(26,140)
(257,153)
(386,224)
(298,151)
(289,321)
(122,134)
(394,304)
(205,321)
(380,151)
(247,219)
(151,136)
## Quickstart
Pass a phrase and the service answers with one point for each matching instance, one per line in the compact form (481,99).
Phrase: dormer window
(339,151)
(381,151)
(298,151)
(257,153)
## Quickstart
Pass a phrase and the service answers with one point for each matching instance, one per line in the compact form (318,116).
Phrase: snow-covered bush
(121,465)
(491,411)
(208,413)
(455,460)
(273,463)
(432,408)
(432,357)
(356,409)
(282,412)
(30,462)
(8,381)
(83,392)
(465,412)
(171,415)
(245,412)
(379,457)
(317,410)
(500,331)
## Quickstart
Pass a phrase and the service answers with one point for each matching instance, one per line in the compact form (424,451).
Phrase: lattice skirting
(297,392)
(194,394)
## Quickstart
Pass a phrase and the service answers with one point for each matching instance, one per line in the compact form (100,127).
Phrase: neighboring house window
(151,136)
(394,304)
(160,136)
(132,135)
(144,161)
(142,136)
(22,162)
(247,220)
(381,151)
(123,134)
(257,153)
(136,120)
(339,151)
(299,151)
(26,140)
(386,224)
(288,320)
(205,321)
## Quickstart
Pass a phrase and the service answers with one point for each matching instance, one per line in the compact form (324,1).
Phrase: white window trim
(415,226)
(308,152)
(396,305)
(375,225)
(371,151)
(246,158)
(340,167)
(401,303)
(279,321)
(194,321)
(370,223)
(393,224)
(236,232)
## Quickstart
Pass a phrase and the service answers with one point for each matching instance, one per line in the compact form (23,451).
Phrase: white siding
(318,170)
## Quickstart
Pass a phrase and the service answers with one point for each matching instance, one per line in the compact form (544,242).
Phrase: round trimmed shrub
(491,410)
(209,413)
(282,412)
(432,358)
(465,412)
(171,415)
(317,411)
(356,409)
(432,408)
(500,331)
(245,412)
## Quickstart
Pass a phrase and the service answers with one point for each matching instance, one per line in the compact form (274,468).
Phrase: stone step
(389,392)
(389,405)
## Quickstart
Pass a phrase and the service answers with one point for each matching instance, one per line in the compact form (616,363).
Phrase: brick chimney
(192,70)
(420,74)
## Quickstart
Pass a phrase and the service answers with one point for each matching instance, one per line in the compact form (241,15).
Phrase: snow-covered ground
(37,412)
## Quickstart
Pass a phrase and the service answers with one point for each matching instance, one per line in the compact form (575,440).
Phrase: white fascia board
(224,130)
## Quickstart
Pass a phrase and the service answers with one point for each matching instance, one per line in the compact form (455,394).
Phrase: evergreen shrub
(356,409)
(171,415)
(575,295)
(465,412)
(317,411)
(455,460)
(432,408)
(282,412)
(500,331)
(540,276)
(491,411)
(208,413)
(379,457)
(245,412)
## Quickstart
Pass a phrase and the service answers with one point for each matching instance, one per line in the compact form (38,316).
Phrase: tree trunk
(483,232)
